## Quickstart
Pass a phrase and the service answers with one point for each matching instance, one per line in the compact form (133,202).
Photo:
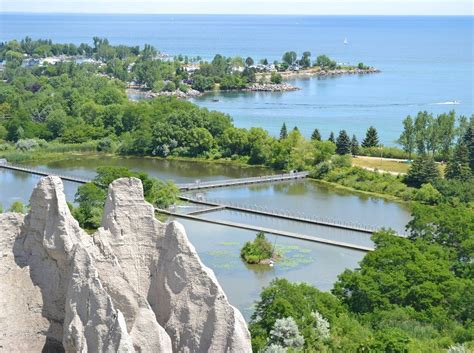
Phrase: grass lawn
(389,165)
(382,164)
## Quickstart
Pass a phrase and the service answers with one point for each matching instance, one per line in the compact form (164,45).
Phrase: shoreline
(323,73)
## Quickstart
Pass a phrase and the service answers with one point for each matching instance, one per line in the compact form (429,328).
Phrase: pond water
(219,246)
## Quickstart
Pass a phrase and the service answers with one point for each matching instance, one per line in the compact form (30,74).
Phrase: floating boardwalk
(269,231)
(42,173)
(182,187)
(242,181)
(217,207)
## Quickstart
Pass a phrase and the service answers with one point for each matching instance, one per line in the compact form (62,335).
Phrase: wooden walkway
(269,231)
(42,173)
(217,206)
(242,181)
(182,187)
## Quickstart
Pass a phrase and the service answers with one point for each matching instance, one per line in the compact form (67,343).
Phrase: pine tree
(468,141)
(343,143)
(283,132)
(316,136)
(423,170)
(296,128)
(331,137)
(371,138)
(458,166)
(354,145)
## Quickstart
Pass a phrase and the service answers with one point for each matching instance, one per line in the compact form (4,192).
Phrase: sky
(307,7)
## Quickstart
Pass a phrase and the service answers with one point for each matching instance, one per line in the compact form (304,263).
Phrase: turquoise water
(425,62)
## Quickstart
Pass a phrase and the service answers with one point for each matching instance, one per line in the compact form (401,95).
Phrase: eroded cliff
(135,285)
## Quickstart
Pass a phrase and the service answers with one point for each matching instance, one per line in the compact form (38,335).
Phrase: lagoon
(219,246)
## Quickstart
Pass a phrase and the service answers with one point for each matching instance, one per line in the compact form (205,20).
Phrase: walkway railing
(216,205)
(37,171)
(242,181)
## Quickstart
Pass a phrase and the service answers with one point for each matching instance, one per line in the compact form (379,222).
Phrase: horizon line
(228,14)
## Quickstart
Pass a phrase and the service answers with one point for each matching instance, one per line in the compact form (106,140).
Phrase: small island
(259,252)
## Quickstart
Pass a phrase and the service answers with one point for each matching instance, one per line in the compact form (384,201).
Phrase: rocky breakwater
(135,285)
(271,87)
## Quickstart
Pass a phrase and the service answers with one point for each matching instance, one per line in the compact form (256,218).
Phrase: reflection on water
(312,199)
(219,248)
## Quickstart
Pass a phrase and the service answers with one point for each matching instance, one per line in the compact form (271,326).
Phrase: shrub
(427,194)
(26,144)
(106,145)
(17,207)
(258,250)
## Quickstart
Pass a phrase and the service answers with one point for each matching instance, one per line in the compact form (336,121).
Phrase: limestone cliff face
(135,285)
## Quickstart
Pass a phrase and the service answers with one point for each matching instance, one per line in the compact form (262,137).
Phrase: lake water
(219,246)
(426,62)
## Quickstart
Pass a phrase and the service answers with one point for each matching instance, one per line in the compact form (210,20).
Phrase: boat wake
(448,103)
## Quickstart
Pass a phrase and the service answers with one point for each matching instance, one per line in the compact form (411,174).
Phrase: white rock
(115,291)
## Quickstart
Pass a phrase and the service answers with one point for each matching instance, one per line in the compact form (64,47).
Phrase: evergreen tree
(408,137)
(331,137)
(354,145)
(283,132)
(423,170)
(458,166)
(343,143)
(371,138)
(316,136)
(468,141)
(296,128)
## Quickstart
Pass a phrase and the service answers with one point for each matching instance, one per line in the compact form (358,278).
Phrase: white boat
(346,41)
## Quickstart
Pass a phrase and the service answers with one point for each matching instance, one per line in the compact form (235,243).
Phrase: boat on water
(215,100)
(346,41)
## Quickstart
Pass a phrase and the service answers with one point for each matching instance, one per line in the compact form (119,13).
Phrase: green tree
(468,140)
(331,137)
(446,133)
(289,57)
(422,122)
(371,138)
(249,61)
(323,151)
(316,136)
(283,132)
(324,62)
(343,143)
(422,171)
(354,146)
(305,60)
(408,137)
(458,165)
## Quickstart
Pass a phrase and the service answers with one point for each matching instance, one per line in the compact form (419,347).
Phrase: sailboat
(346,41)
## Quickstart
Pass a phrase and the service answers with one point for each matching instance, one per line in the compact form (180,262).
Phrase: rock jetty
(136,285)
(271,87)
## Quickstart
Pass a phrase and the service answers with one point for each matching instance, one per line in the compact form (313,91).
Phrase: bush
(276,78)
(17,207)
(169,87)
(258,250)
(26,144)
(106,145)
(427,194)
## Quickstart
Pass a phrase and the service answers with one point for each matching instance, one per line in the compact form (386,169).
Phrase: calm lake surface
(219,246)
(426,62)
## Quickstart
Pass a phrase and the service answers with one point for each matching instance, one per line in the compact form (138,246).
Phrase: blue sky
(308,7)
